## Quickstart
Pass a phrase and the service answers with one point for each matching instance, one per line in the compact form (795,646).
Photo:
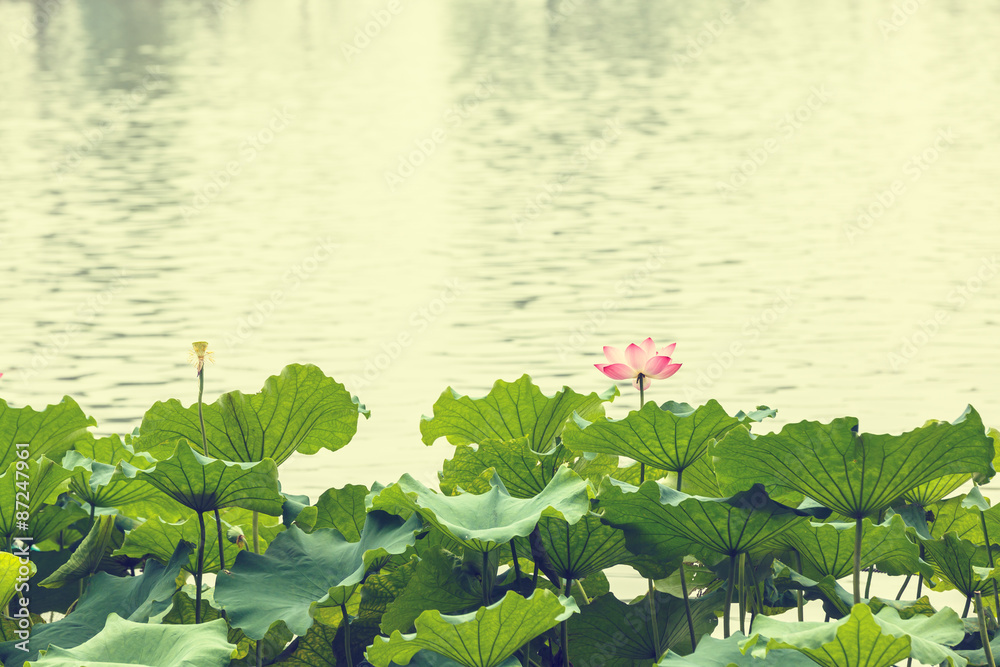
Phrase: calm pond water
(803,196)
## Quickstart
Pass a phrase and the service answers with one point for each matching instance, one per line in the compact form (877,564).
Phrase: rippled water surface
(802,195)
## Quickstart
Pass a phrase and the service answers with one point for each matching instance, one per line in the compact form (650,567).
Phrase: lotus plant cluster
(176,544)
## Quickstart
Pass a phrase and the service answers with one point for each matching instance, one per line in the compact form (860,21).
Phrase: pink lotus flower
(642,360)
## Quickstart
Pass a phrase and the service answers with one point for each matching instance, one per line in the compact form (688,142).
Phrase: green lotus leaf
(316,648)
(10,572)
(181,612)
(50,432)
(836,600)
(951,516)
(51,520)
(133,598)
(87,557)
(510,411)
(855,475)
(93,464)
(936,489)
(523,471)
(962,564)
(342,509)
(660,521)
(301,410)
(483,638)
(378,592)
(34,483)
(205,484)
(486,521)
(300,571)
(905,608)
(714,652)
(828,548)
(863,638)
(653,435)
(158,539)
(440,582)
(612,633)
(124,642)
(578,550)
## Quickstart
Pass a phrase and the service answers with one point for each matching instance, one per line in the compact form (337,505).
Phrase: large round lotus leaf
(301,410)
(863,638)
(204,484)
(510,411)
(653,435)
(49,432)
(93,464)
(38,482)
(962,564)
(300,572)
(660,521)
(855,475)
(714,652)
(828,548)
(484,522)
(483,638)
(123,643)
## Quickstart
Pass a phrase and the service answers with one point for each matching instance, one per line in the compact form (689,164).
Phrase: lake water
(415,195)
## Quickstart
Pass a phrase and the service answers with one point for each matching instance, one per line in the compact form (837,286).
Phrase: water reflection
(129,232)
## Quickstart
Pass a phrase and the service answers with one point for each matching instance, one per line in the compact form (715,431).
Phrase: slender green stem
(798,594)
(201,415)
(729,596)
(347,635)
(201,567)
(564,627)
(486,579)
(968,605)
(989,551)
(583,592)
(517,566)
(857,560)
(983,634)
(93,510)
(256,550)
(906,582)
(868,584)
(742,592)
(920,577)
(684,589)
(757,595)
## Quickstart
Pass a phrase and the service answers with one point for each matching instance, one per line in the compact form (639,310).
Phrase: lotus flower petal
(617,371)
(614,355)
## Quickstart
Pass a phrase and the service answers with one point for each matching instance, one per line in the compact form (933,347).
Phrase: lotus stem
(968,605)
(729,596)
(857,560)
(920,577)
(517,566)
(564,627)
(583,592)
(222,551)
(868,584)
(798,593)
(906,582)
(983,634)
(347,635)
(684,589)
(742,591)
(200,569)
(256,550)
(486,582)
(201,415)
(654,626)
(989,551)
